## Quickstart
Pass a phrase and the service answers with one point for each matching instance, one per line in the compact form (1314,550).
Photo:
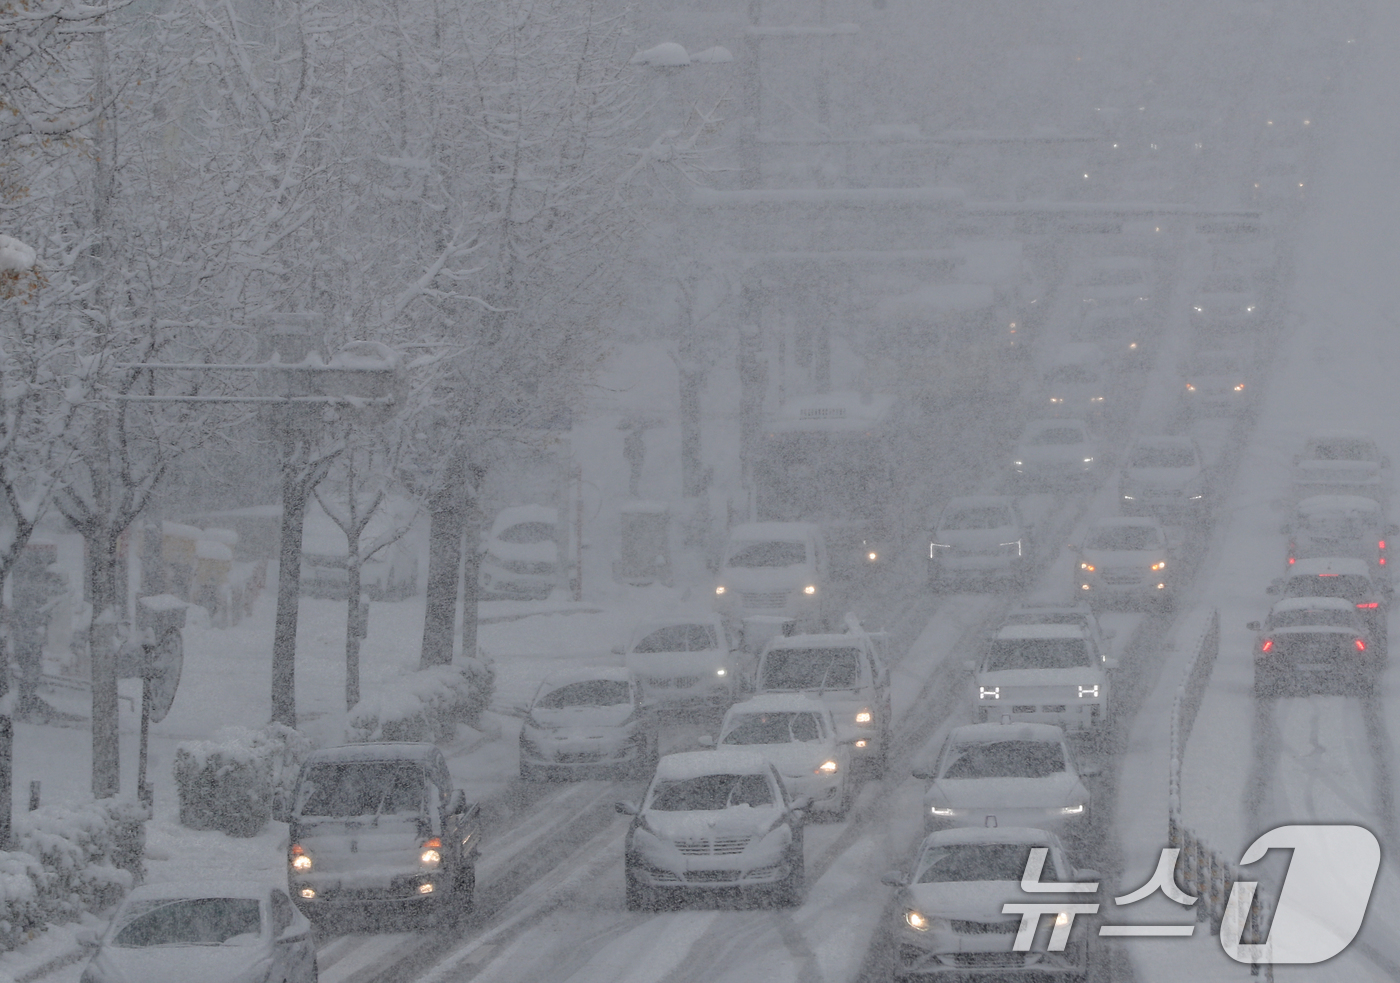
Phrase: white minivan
(774,569)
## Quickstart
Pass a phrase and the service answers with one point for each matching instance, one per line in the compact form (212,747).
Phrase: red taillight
(1381,561)
(1369,605)
(1291,561)
(1267,645)
(1381,544)
(1360,644)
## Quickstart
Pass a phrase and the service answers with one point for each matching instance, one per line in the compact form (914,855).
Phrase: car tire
(639,897)
(793,889)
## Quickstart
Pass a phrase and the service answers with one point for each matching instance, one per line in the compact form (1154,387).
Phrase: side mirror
(456,802)
(923,775)
(627,808)
(1254,626)
(1091,771)
(895,878)
(706,740)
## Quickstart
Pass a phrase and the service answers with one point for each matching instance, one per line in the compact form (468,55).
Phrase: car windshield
(1123,538)
(1038,653)
(977,517)
(973,862)
(1162,457)
(1058,437)
(811,668)
(1349,586)
(772,728)
(190,921)
(1309,619)
(1046,618)
(527,532)
(1339,527)
(709,793)
(586,693)
(362,788)
(1222,365)
(678,638)
(1071,375)
(1004,759)
(1225,283)
(779,553)
(1342,450)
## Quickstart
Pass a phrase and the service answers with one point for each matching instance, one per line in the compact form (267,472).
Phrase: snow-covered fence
(424,705)
(1201,871)
(231,782)
(68,860)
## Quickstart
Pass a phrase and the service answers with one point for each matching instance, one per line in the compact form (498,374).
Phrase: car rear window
(1038,653)
(362,788)
(1004,759)
(1307,619)
(709,793)
(1348,586)
(811,668)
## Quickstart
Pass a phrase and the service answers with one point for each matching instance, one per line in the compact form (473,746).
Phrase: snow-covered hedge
(230,783)
(425,705)
(68,860)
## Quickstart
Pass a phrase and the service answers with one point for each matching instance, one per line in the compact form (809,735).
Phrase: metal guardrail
(1201,870)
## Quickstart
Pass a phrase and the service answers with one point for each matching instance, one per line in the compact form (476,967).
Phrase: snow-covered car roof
(779,703)
(1316,504)
(645,628)
(1314,604)
(196,888)
(377,751)
(1020,731)
(1031,608)
(978,501)
(773,532)
(996,834)
(1017,632)
(718,761)
(513,515)
(1335,565)
(584,674)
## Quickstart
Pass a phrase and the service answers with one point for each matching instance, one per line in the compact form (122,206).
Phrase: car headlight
(872,556)
(1159,565)
(827,767)
(1074,810)
(1016,464)
(301,860)
(989,692)
(863,717)
(810,589)
(1086,566)
(1088,460)
(432,852)
(719,589)
(915,920)
(1190,388)
(721,671)
(1090,692)
(942,811)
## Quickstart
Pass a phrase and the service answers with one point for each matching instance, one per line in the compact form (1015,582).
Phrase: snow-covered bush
(230,783)
(68,860)
(425,705)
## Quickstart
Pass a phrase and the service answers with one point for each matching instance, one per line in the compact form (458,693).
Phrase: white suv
(1052,674)
(774,569)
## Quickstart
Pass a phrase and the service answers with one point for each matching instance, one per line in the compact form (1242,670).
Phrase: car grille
(717,846)
(578,757)
(666,682)
(1123,577)
(768,599)
(990,959)
(1004,927)
(712,876)
(1047,708)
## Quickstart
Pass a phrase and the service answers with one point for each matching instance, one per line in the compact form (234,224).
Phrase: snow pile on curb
(69,860)
(231,782)
(425,705)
